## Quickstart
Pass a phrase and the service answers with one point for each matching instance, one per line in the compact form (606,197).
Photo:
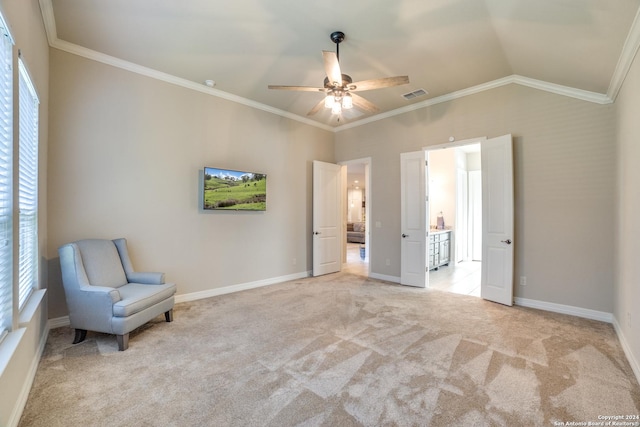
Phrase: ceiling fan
(339,87)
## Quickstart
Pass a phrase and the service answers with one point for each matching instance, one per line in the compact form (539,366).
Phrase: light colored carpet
(339,350)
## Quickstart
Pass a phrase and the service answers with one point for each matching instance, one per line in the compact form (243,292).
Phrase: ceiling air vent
(415,94)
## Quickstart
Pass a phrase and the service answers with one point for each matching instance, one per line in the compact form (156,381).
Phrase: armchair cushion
(102,263)
(136,297)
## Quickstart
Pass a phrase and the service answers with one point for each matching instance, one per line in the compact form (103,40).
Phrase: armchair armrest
(99,295)
(145,278)
(91,307)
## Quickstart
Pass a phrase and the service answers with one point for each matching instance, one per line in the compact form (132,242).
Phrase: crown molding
(178,81)
(584,95)
(46,8)
(50,28)
(625,60)
(429,102)
(629,51)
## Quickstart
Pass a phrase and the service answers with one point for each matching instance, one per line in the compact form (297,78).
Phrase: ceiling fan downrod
(337,37)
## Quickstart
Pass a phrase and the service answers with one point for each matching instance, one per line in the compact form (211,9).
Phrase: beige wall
(627,301)
(126,159)
(21,349)
(564,161)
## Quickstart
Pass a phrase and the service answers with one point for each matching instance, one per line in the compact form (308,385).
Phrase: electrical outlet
(628,320)
(388,261)
(294,261)
(523,280)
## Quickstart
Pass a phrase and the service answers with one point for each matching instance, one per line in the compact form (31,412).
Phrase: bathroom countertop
(436,231)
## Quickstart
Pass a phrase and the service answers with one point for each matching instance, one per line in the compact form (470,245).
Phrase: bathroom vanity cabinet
(439,248)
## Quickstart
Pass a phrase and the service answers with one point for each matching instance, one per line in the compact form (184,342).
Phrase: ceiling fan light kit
(347,101)
(336,108)
(338,86)
(337,102)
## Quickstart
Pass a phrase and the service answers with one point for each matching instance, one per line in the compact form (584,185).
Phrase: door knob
(508,241)
(404,235)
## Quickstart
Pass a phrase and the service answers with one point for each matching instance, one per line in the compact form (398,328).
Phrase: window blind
(27,187)
(6,144)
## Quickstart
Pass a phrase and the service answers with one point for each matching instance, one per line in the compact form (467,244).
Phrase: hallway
(355,264)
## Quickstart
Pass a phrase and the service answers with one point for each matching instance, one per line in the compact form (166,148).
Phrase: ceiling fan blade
(332,67)
(363,104)
(316,108)
(303,88)
(380,83)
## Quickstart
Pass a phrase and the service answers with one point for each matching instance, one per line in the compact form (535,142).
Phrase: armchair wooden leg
(168,315)
(123,342)
(81,334)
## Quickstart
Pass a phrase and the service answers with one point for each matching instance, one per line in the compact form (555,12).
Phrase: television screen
(234,190)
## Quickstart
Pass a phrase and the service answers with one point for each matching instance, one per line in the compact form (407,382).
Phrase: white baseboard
(635,365)
(384,277)
(588,314)
(59,322)
(523,302)
(565,309)
(240,287)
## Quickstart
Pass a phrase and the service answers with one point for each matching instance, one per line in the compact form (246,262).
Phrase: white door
(497,220)
(413,206)
(327,223)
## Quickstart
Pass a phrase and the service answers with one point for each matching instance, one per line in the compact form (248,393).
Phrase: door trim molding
(455,144)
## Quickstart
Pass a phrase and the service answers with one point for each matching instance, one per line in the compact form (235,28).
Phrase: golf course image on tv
(227,189)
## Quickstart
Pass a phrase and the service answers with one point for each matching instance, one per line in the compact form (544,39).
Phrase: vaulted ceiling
(449,48)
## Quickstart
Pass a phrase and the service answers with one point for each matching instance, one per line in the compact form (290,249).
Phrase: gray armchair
(104,294)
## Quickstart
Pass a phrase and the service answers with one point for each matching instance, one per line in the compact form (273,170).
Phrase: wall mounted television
(228,189)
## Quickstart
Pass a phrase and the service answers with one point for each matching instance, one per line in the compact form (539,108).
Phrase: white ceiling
(444,46)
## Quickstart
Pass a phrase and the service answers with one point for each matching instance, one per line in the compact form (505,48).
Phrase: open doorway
(357,242)
(455,219)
